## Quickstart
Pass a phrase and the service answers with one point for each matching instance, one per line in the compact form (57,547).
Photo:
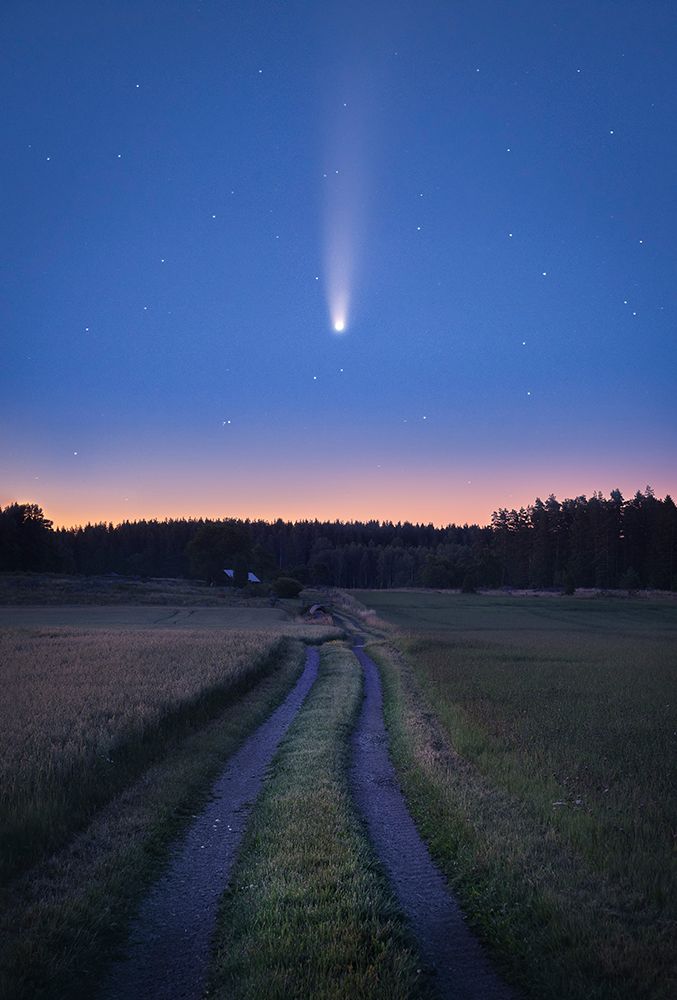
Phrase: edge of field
(63,919)
(527,898)
(135,751)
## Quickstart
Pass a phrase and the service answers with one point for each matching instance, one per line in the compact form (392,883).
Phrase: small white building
(251,577)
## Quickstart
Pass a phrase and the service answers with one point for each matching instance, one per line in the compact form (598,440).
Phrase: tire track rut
(460,968)
(168,950)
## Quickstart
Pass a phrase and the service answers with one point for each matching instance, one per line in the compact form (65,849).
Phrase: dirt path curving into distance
(460,968)
(168,949)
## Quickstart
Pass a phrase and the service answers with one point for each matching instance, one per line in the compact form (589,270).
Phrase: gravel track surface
(460,969)
(169,945)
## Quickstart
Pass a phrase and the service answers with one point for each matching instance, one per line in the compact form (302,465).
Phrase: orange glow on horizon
(423,496)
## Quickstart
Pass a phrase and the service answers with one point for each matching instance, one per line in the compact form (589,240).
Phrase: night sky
(195,195)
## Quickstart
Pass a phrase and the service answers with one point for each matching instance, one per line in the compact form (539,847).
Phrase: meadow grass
(308,913)
(139,616)
(535,743)
(421,610)
(63,920)
(61,588)
(83,712)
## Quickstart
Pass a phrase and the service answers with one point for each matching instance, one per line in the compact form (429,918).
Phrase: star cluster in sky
(394,261)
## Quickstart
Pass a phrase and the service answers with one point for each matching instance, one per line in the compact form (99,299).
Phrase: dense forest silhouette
(582,542)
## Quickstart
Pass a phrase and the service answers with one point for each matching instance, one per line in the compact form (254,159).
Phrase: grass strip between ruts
(62,920)
(555,927)
(309,913)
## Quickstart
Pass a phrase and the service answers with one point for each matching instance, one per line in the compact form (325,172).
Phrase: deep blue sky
(169,207)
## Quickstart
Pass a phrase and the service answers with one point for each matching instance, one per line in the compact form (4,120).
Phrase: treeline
(582,542)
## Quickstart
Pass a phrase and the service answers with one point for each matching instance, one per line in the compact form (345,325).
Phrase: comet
(340,251)
(345,208)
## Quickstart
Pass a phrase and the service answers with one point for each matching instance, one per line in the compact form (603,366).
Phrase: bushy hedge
(285,586)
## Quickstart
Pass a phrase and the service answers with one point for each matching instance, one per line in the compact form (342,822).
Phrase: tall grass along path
(168,949)
(459,967)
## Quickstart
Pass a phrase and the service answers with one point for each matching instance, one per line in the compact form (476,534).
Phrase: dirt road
(168,949)
(459,968)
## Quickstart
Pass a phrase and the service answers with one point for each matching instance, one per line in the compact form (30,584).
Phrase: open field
(144,617)
(535,741)
(58,589)
(307,914)
(82,711)
(437,611)
(533,738)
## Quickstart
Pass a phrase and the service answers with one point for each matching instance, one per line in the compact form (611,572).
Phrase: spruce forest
(604,542)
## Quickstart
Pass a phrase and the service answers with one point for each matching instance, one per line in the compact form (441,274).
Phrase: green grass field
(535,739)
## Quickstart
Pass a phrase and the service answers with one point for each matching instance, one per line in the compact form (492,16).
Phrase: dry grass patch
(62,921)
(60,589)
(83,711)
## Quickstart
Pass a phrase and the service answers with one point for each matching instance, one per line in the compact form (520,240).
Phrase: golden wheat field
(81,711)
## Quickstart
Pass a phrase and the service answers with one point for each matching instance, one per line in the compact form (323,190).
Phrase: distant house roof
(251,577)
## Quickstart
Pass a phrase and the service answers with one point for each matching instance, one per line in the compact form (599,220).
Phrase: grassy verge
(308,914)
(62,920)
(539,776)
